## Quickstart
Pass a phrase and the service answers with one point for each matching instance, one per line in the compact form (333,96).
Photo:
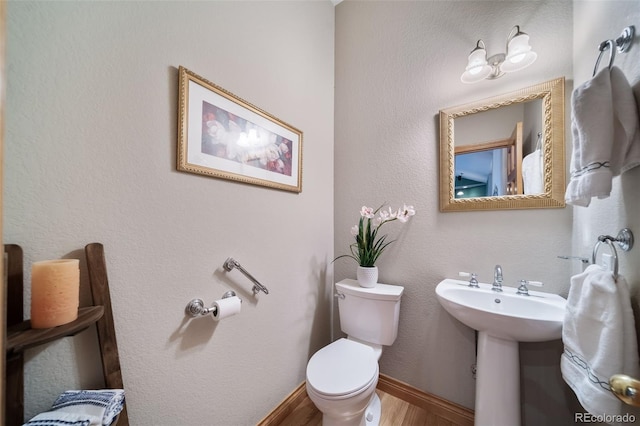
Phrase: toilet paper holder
(195,308)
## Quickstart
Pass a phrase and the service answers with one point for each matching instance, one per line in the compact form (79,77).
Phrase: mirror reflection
(498,152)
(504,152)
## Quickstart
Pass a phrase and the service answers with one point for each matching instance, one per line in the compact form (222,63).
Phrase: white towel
(599,339)
(626,125)
(592,130)
(606,135)
(532,173)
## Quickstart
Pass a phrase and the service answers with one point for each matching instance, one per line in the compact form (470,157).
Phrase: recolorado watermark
(605,418)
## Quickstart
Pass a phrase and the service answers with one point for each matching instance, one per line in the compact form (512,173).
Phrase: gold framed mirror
(504,152)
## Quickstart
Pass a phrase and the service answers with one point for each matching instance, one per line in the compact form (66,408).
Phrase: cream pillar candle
(55,292)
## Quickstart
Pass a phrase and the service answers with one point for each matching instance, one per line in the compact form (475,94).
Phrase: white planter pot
(367,276)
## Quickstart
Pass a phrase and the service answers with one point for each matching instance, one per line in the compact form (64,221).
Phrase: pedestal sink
(502,319)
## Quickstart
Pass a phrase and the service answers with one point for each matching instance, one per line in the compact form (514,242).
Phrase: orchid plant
(369,246)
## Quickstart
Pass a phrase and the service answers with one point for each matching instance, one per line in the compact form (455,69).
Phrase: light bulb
(477,68)
(517,58)
(519,54)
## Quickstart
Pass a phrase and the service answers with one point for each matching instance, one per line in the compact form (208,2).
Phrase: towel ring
(622,44)
(604,46)
(613,251)
(624,239)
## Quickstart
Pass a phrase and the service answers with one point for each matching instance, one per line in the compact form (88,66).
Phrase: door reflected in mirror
(482,174)
(498,164)
(507,153)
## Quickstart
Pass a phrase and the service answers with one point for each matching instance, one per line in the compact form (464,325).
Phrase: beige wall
(91,112)
(397,65)
(90,156)
(595,22)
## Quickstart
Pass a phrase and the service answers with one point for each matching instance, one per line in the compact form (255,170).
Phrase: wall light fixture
(519,55)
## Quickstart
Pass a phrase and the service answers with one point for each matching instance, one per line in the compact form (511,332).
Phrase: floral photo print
(223,136)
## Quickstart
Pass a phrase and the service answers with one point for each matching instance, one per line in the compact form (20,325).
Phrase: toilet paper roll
(226,307)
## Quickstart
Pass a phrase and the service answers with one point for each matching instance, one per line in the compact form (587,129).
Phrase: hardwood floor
(303,414)
(402,405)
(395,412)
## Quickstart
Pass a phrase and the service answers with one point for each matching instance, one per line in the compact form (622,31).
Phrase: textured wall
(397,65)
(90,156)
(593,23)
(91,111)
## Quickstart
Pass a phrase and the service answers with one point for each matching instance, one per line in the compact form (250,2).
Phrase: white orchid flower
(366,212)
(410,211)
(369,246)
(392,214)
(405,213)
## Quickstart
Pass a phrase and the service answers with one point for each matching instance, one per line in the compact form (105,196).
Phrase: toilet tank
(369,314)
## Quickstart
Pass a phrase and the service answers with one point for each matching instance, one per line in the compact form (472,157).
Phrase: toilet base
(373,411)
(370,417)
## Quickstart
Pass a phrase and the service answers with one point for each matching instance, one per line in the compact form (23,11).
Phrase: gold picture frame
(551,94)
(223,136)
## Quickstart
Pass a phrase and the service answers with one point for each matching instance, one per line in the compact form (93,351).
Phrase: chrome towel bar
(231,263)
(581,259)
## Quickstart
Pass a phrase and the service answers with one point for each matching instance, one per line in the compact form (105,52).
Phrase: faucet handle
(473,281)
(524,290)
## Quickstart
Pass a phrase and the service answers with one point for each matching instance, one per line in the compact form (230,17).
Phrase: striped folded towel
(56,418)
(82,408)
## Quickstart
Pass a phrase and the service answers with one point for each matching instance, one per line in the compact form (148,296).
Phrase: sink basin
(507,315)
(502,319)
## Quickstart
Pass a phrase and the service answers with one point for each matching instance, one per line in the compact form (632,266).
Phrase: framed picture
(223,136)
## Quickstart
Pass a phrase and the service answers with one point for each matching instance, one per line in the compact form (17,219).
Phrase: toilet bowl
(341,382)
(342,377)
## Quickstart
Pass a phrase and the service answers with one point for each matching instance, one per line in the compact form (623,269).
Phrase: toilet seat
(342,369)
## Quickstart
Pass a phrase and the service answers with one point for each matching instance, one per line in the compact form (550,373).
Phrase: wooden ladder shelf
(20,335)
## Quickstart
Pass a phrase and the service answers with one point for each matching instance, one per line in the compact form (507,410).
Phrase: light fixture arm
(511,36)
(478,45)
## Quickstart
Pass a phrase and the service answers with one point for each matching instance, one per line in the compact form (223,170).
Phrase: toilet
(342,376)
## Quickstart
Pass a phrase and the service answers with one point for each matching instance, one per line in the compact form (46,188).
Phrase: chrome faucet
(497,278)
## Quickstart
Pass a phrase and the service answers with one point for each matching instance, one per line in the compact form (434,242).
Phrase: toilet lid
(341,368)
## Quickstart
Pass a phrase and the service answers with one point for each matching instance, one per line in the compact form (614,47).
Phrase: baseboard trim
(451,411)
(286,407)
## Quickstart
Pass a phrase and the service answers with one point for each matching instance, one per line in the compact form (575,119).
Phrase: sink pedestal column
(497,382)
